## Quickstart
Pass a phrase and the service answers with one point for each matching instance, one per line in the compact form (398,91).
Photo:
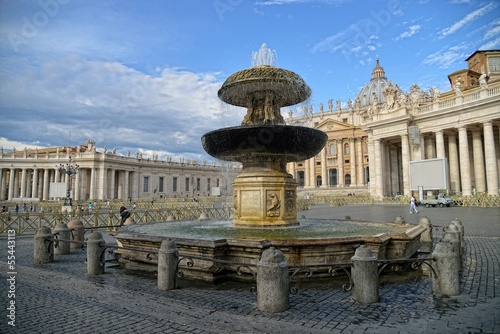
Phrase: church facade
(372,142)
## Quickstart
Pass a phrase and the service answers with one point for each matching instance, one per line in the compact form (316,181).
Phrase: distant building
(27,174)
(372,140)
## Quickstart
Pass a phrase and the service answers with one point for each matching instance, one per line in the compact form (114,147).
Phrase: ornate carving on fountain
(273,205)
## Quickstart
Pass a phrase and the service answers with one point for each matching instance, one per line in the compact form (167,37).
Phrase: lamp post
(70,170)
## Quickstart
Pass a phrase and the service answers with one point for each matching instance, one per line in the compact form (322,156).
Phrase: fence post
(364,274)
(43,246)
(78,233)
(64,233)
(272,282)
(167,265)
(95,251)
(446,279)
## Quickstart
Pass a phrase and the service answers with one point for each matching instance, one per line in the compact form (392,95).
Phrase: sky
(143,76)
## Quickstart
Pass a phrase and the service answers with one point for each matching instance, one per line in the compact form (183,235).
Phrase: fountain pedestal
(264,195)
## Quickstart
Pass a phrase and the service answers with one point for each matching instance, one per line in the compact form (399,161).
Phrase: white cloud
(108,102)
(491,45)
(468,18)
(412,30)
(444,59)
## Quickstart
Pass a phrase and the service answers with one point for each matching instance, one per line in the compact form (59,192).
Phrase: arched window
(346,149)
(333,150)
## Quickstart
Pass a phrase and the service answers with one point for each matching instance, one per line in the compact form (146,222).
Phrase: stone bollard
(446,264)
(64,233)
(452,235)
(95,251)
(43,246)
(364,274)
(167,265)
(461,229)
(426,236)
(77,234)
(272,282)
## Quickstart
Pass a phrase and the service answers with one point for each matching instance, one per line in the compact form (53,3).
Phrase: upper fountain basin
(292,143)
(286,86)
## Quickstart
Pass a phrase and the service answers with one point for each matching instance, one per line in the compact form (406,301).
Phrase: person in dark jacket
(124,214)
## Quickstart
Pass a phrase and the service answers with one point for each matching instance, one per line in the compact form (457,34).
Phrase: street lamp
(71,170)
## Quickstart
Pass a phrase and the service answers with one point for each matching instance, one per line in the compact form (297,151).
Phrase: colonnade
(472,152)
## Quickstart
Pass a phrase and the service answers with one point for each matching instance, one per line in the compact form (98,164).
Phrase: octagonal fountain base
(399,242)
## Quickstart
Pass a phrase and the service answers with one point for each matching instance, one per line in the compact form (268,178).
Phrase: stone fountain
(264,193)
(265,211)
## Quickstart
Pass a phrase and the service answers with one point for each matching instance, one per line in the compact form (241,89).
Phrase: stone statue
(330,105)
(458,88)
(339,105)
(390,94)
(349,104)
(105,149)
(434,94)
(290,113)
(136,154)
(128,154)
(321,107)
(114,150)
(483,81)
(311,110)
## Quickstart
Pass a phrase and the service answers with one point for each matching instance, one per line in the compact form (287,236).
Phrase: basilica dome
(375,87)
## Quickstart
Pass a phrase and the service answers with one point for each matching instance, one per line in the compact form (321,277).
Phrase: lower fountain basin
(291,143)
(310,243)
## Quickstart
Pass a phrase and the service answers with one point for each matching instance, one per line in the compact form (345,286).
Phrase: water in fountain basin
(308,229)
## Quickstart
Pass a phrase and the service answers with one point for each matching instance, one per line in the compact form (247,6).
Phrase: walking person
(124,214)
(413,205)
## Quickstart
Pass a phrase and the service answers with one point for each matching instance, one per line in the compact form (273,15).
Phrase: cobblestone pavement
(60,298)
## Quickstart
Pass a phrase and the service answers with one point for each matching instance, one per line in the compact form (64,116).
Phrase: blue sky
(143,75)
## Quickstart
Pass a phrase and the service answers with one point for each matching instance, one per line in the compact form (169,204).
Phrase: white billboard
(57,189)
(430,174)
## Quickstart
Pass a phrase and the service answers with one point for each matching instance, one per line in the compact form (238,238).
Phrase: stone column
(29,187)
(464,161)
(76,187)
(440,151)
(23,183)
(34,185)
(3,184)
(307,173)
(16,184)
(112,191)
(491,161)
(272,282)
(312,173)
(352,144)
(359,162)
(478,158)
(394,169)
(453,163)
(405,160)
(429,147)
(46,173)
(11,184)
(340,160)
(364,276)
(92,183)
(126,186)
(324,174)
(378,169)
